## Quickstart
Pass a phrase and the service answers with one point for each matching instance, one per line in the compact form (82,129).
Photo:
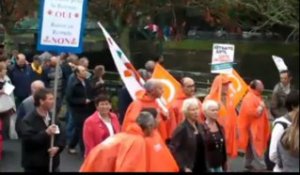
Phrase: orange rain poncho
(130,151)
(165,127)
(252,125)
(177,108)
(227,114)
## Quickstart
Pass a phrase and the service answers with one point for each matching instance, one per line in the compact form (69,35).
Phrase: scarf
(38,70)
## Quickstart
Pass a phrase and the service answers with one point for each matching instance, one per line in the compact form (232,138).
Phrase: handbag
(6,103)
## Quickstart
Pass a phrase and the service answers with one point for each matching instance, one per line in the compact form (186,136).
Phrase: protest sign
(61,25)
(222,58)
(279,63)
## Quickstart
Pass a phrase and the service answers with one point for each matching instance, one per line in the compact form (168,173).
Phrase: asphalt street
(11,160)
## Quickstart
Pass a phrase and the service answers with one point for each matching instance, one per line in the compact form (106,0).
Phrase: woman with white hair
(214,137)
(186,144)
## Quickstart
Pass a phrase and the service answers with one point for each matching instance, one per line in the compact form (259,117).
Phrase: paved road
(11,161)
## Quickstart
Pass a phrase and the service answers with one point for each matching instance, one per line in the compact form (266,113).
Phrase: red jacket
(95,130)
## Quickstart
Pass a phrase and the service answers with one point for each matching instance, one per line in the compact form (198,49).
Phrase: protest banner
(61,25)
(222,58)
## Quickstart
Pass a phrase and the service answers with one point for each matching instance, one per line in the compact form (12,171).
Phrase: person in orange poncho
(188,91)
(153,90)
(138,149)
(227,114)
(254,127)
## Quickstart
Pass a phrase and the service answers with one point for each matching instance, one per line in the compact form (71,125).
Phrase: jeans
(70,125)
(77,137)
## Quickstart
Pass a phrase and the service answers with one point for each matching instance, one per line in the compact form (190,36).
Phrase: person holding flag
(147,94)
(153,90)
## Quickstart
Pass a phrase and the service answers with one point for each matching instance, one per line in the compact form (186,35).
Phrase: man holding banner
(36,133)
(61,28)
(280,92)
(228,88)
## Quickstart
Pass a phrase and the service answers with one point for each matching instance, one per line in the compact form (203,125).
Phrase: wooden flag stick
(54,110)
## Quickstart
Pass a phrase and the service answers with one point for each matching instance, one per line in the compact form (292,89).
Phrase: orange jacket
(165,127)
(130,152)
(250,124)
(177,108)
(227,115)
(117,154)
(159,157)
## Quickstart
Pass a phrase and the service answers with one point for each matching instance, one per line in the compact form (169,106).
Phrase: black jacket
(36,142)
(215,157)
(76,96)
(188,148)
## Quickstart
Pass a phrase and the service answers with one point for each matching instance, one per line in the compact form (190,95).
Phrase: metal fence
(203,82)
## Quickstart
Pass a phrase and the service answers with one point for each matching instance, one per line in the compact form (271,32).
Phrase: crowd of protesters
(191,136)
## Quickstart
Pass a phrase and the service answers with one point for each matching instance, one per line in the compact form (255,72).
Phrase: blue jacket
(21,79)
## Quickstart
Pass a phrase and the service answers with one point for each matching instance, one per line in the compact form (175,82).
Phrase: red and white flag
(130,77)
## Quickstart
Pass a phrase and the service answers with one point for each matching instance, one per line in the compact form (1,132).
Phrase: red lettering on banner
(71,41)
(61,14)
(222,58)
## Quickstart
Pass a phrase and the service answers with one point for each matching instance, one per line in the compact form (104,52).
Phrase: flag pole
(54,111)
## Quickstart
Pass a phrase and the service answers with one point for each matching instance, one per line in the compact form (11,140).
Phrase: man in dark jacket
(79,97)
(21,79)
(36,133)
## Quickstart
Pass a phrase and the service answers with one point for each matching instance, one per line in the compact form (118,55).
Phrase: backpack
(269,164)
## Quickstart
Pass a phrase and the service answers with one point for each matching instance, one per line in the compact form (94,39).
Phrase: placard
(222,58)
(281,66)
(61,25)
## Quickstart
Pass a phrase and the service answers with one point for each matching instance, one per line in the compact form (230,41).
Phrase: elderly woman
(214,137)
(186,144)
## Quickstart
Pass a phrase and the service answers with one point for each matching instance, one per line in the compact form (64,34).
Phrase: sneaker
(72,151)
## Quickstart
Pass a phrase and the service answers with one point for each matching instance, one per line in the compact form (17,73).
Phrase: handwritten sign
(222,58)
(61,25)
(279,63)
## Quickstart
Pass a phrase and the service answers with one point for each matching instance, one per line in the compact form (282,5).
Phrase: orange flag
(238,87)
(171,86)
